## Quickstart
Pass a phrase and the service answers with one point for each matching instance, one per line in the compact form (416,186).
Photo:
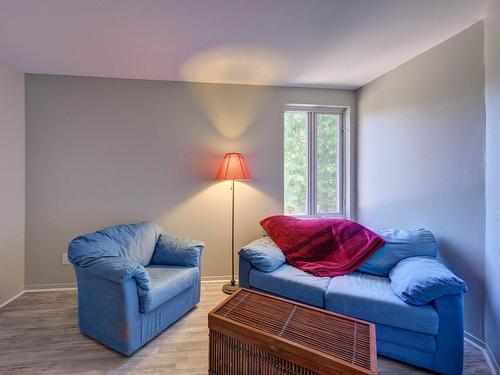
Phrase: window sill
(320,216)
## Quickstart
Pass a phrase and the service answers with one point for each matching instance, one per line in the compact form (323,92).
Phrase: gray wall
(492,90)
(421,155)
(107,151)
(12,182)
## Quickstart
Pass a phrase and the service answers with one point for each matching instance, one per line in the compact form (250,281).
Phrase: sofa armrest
(449,355)
(173,250)
(119,270)
(421,280)
(244,272)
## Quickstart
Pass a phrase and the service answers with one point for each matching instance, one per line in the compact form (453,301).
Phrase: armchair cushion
(177,251)
(399,244)
(420,280)
(166,283)
(263,254)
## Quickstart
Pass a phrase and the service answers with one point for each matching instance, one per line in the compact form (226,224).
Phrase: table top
(316,334)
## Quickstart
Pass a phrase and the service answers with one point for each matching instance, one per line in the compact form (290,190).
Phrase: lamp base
(230,288)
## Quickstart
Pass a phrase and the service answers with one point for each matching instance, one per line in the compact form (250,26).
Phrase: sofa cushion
(166,283)
(263,254)
(420,280)
(292,283)
(371,298)
(399,244)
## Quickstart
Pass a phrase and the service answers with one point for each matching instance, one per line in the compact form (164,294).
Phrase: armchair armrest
(97,254)
(119,270)
(177,251)
(106,309)
(421,280)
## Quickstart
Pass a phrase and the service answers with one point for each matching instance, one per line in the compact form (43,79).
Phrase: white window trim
(344,144)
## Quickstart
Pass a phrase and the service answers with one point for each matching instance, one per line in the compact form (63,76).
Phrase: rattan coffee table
(254,333)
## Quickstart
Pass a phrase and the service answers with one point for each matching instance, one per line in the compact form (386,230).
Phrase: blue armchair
(133,282)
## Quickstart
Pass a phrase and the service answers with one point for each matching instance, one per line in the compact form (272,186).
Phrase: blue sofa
(415,302)
(133,282)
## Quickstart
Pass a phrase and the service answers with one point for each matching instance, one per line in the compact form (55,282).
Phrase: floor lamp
(233,167)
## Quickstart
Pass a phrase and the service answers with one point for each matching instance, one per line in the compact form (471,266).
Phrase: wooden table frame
(288,350)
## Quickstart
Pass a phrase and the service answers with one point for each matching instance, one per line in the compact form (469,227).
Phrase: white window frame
(342,152)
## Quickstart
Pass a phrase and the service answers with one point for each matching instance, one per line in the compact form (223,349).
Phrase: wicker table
(254,333)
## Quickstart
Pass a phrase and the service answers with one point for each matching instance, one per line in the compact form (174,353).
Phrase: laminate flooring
(39,335)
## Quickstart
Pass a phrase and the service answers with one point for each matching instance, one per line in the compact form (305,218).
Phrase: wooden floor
(39,335)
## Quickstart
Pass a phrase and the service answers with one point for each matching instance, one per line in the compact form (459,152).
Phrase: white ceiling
(320,43)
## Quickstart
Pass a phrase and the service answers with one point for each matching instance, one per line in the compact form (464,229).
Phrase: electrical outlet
(65,258)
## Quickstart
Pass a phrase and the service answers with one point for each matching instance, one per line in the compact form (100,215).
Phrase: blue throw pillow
(420,280)
(399,245)
(177,251)
(263,254)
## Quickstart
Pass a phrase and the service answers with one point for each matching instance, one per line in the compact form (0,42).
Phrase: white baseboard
(217,279)
(12,297)
(71,286)
(49,287)
(492,362)
(474,341)
(488,355)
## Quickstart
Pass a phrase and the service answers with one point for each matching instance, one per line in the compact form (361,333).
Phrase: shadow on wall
(459,248)
(493,322)
(463,266)
(458,254)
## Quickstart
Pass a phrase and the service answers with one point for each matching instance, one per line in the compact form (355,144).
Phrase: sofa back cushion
(134,242)
(399,245)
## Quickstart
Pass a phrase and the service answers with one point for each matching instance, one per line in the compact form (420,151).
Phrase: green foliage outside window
(296,162)
(326,163)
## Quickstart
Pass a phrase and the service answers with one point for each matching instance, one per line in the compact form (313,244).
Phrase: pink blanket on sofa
(323,247)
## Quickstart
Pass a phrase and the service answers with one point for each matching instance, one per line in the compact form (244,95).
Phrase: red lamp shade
(233,167)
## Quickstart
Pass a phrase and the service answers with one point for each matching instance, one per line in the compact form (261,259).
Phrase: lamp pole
(233,282)
(231,288)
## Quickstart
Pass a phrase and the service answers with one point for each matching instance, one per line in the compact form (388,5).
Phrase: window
(314,161)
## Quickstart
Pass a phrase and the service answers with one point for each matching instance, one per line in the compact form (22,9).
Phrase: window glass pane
(295,163)
(327,163)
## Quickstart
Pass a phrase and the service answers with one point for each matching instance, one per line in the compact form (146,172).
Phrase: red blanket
(323,247)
